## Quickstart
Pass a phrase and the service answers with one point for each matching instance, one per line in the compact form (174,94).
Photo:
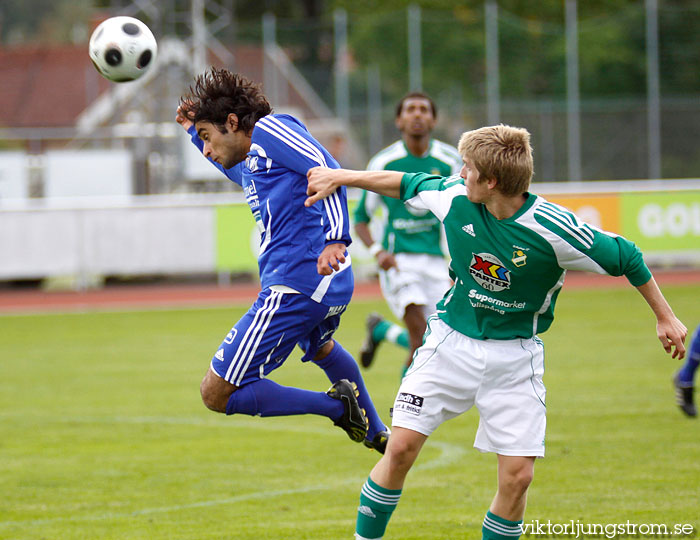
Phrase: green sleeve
(620,257)
(414,183)
(360,214)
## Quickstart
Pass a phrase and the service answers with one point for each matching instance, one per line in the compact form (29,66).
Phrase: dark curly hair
(419,95)
(218,93)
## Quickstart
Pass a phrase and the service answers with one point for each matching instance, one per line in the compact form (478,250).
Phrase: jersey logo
(469,229)
(489,272)
(254,162)
(519,258)
(231,336)
(219,355)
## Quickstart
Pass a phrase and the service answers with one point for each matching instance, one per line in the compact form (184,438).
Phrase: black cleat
(369,346)
(684,397)
(353,419)
(379,441)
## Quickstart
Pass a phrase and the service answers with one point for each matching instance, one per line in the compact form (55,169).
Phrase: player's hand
(321,184)
(672,334)
(386,260)
(332,256)
(183,119)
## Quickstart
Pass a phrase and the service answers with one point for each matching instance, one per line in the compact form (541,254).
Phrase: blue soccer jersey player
(684,379)
(305,269)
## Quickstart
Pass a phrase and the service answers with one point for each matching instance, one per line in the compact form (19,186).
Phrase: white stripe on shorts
(251,340)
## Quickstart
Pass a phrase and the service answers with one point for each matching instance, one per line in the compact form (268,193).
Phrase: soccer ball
(122,48)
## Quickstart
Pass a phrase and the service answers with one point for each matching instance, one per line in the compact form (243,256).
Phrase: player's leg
(414,318)
(684,380)
(512,424)
(338,364)
(265,398)
(505,516)
(258,344)
(440,385)
(381,492)
(377,330)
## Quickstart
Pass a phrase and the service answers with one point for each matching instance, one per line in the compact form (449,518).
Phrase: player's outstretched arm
(670,331)
(182,119)
(324,181)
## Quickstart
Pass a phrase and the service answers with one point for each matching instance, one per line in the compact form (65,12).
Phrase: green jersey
(508,272)
(408,230)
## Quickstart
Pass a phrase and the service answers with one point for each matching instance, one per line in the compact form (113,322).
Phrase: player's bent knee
(402,453)
(215,392)
(324,350)
(518,481)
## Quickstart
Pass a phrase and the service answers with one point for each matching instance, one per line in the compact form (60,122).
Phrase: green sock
(376,506)
(401,339)
(379,332)
(391,332)
(497,528)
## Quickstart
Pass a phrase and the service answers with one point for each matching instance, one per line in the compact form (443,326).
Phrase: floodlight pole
(270,78)
(415,61)
(573,98)
(493,83)
(374,108)
(653,92)
(342,85)
(199,37)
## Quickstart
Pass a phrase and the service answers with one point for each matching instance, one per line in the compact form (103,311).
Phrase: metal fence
(584,126)
(607,96)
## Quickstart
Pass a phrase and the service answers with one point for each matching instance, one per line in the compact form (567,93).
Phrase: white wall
(80,173)
(118,238)
(14,175)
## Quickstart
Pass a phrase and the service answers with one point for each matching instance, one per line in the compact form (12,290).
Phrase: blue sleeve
(234,173)
(287,142)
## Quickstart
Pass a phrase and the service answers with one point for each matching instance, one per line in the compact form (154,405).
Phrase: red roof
(51,85)
(47,86)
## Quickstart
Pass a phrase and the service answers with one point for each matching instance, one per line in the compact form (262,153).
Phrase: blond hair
(500,152)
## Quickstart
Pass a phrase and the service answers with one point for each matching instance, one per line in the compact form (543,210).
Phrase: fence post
(493,83)
(653,93)
(573,99)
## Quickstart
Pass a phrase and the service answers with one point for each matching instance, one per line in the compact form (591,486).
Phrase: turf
(103,435)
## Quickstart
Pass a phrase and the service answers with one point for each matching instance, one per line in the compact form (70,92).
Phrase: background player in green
(510,250)
(412,267)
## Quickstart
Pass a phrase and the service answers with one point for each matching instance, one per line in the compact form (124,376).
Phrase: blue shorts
(266,335)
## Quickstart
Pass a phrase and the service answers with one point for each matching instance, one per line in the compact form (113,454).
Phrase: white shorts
(420,279)
(503,378)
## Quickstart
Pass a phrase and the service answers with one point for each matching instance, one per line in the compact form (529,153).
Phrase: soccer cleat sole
(369,345)
(684,398)
(354,418)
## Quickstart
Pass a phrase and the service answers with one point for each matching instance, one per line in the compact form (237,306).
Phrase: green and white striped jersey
(509,272)
(408,230)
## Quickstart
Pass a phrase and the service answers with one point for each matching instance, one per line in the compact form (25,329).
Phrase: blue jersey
(273,178)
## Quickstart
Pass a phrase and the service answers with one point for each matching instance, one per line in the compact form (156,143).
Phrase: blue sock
(267,398)
(340,364)
(687,372)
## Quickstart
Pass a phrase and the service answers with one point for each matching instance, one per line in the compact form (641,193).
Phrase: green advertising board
(237,239)
(662,221)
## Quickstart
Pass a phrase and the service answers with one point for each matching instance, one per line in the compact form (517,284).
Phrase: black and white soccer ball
(122,48)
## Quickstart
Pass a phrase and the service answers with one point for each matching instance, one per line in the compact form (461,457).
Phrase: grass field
(103,435)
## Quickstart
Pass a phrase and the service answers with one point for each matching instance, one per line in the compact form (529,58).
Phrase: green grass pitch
(103,435)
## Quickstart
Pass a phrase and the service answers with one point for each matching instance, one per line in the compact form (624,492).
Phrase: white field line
(449,453)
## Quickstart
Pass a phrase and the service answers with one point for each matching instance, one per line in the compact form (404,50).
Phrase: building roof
(46,86)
